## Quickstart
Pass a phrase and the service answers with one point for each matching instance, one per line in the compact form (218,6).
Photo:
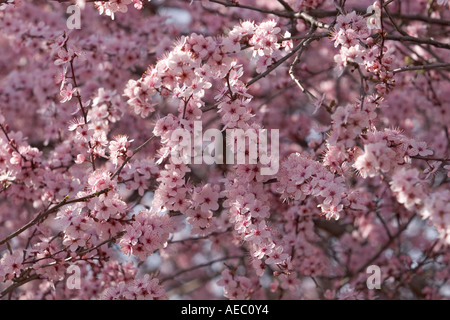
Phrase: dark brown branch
(200,266)
(11,288)
(418,40)
(312,20)
(405,17)
(304,43)
(46,213)
(430,158)
(423,67)
(286,57)
(237,5)
(385,246)
(285,5)
(83,110)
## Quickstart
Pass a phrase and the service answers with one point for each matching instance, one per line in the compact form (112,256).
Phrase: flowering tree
(93,204)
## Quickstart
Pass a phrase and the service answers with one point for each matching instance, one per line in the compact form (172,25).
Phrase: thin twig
(286,57)
(200,266)
(237,5)
(431,66)
(418,40)
(117,172)
(385,246)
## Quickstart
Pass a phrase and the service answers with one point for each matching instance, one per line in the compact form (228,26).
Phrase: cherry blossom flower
(67,93)
(147,233)
(11,265)
(64,56)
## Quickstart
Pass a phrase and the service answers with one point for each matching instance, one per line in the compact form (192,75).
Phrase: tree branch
(431,66)
(418,40)
(46,213)
(286,57)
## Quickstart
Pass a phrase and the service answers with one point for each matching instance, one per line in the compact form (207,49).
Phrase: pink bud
(80,159)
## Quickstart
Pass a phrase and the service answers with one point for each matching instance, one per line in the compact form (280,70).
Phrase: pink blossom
(67,93)
(64,56)
(11,265)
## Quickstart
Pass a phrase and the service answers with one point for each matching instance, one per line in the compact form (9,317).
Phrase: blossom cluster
(358,47)
(191,66)
(11,266)
(148,232)
(235,287)
(413,192)
(348,123)
(109,8)
(385,150)
(200,213)
(301,177)
(144,288)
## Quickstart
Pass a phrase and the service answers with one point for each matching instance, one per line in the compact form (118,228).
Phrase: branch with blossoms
(43,215)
